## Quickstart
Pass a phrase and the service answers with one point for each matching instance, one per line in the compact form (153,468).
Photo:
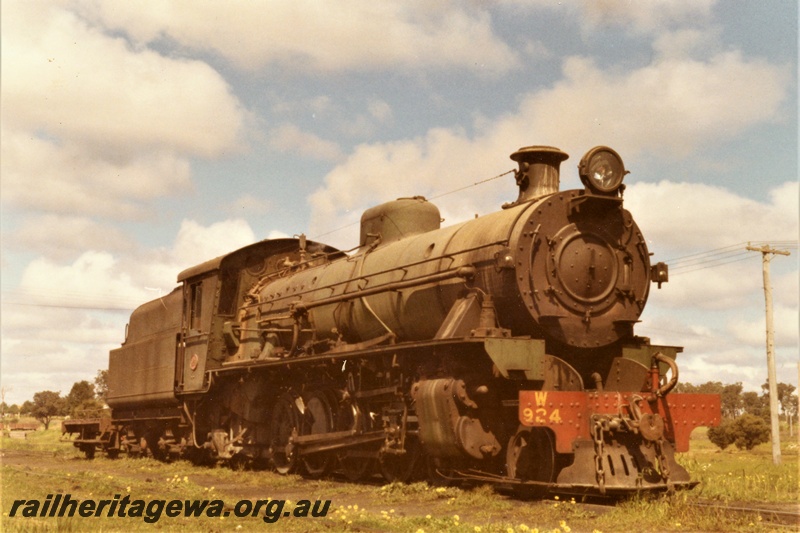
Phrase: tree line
(745,415)
(85,400)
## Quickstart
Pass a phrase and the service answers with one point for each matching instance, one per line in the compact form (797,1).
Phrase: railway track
(786,514)
(778,515)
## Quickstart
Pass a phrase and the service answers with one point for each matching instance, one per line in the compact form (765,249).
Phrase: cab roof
(265,247)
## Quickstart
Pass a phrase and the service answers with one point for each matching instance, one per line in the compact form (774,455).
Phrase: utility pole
(3,400)
(766,256)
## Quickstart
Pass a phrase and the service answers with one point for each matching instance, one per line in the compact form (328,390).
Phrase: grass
(731,475)
(40,440)
(734,475)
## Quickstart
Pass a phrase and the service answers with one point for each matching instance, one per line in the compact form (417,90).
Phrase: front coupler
(618,441)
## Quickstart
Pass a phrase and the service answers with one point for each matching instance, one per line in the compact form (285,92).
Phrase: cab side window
(195,305)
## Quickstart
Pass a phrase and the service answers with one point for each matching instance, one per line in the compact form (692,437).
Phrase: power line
(740,246)
(69,300)
(718,257)
(434,197)
(678,259)
(700,260)
(716,264)
(65,306)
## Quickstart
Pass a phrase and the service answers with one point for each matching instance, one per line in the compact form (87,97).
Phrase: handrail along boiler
(499,349)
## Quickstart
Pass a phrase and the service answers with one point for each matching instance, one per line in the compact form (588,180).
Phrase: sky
(140,138)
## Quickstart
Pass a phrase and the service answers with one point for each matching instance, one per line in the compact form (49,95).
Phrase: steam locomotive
(499,350)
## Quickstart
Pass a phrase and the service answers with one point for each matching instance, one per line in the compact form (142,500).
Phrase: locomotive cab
(218,326)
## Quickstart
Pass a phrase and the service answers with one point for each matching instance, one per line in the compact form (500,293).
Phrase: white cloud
(333,35)
(669,109)
(30,365)
(59,323)
(60,238)
(71,80)
(717,312)
(787,286)
(380,110)
(711,288)
(93,279)
(249,205)
(64,325)
(694,216)
(289,138)
(726,366)
(686,42)
(62,177)
(653,16)
(372,114)
(275,234)
(290,104)
(120,280)
(91,125)
(375,173)
(195,243)
(645,16)
(785,323)
(784,199)
(715,349)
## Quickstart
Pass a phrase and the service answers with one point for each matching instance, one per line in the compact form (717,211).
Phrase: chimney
(538,173)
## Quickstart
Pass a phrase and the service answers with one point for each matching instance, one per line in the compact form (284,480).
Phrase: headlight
(601,170)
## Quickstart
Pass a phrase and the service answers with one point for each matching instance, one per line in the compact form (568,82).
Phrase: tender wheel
(200,456)
(285,424)
(318,418)
(401,468)
(88,450)
(112,453)
(239,462)
(144,447)
(531,457)
(155,450)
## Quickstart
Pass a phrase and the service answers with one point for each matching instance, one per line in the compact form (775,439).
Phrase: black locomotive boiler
(501,349)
